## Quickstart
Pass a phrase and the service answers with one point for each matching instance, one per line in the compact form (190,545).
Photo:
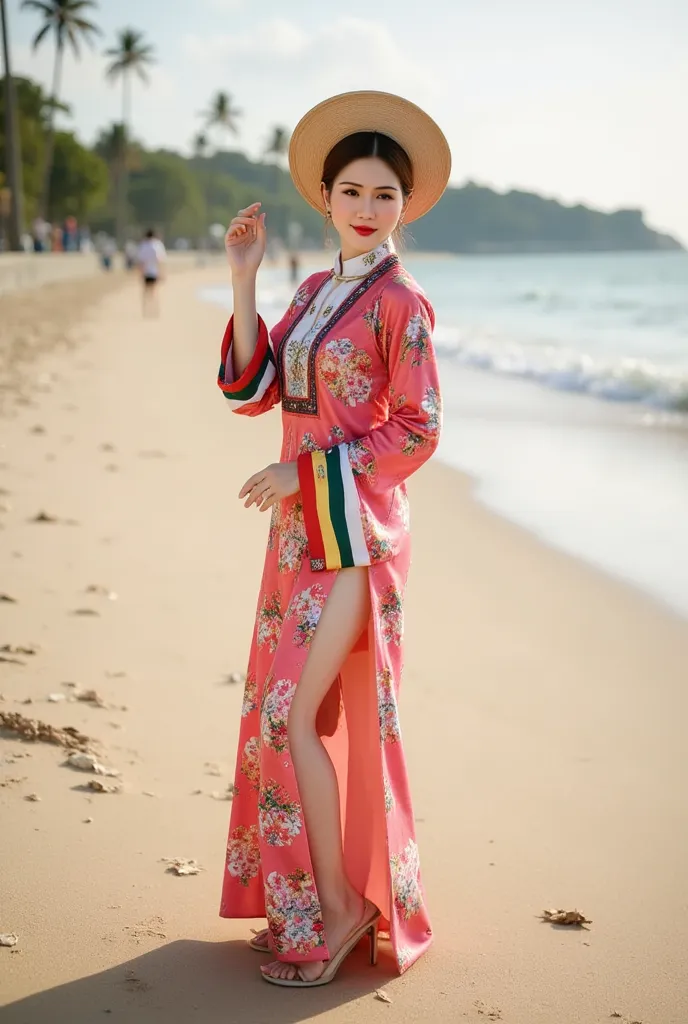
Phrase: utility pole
(12,144)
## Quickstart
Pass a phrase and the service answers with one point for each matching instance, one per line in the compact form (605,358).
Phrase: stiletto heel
(372,934)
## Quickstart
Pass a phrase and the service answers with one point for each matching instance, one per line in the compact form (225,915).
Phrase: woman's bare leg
(343,618)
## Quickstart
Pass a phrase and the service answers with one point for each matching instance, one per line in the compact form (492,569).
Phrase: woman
(321,838)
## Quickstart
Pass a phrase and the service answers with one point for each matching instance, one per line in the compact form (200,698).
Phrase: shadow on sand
(186,981)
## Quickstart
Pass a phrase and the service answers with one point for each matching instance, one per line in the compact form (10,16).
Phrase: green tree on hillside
(80,179)
(131,55)
(222,114)
(166,194)
(65,20)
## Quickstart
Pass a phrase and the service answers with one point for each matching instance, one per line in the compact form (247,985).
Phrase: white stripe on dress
(352,509)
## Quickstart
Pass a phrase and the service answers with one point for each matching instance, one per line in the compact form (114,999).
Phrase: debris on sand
(33,797)
(87,696)
(12,780)
(211,768)
(8,599)
(56,698)
(8,939)
(235,677)
(88,763)
(44,517)
(96,786)
(228,794)
(18,649)
(382,996)
(85,611)
(565,917)
(96,588)
(11,661)
(492,1013)
(36,731)
(181,865)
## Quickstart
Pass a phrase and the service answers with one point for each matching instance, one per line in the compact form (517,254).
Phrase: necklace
(351,277)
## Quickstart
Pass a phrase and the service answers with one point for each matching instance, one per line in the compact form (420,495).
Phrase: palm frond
(40,36)
(37,5)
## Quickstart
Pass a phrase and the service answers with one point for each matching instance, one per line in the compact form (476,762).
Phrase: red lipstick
(365,231)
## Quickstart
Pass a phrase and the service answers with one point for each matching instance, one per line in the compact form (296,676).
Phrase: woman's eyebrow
(377,187)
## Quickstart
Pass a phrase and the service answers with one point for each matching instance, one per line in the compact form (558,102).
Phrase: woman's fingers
(257,478)
(268,499)
(250,210)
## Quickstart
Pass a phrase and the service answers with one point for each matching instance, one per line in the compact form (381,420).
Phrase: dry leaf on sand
(181,865)
(8,599)
(565,917)
(102,787)
(382,996)
(32,729)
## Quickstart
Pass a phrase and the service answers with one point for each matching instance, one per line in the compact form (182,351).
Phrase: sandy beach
(544,710)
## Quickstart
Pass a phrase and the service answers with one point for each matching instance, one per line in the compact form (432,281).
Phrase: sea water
(565,390)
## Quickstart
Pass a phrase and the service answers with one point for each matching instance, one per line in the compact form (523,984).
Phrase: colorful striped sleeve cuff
(258,375)
(331,510)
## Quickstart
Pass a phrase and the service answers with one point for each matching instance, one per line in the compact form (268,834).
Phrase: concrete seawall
(22,271)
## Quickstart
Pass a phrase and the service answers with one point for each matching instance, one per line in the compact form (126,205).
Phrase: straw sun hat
(332,120)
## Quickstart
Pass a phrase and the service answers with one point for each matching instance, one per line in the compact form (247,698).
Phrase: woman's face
(366,202)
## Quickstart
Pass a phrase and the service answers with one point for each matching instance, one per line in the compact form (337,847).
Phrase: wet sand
(543,708)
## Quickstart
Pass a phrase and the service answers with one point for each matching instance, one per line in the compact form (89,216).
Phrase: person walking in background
(151,258)
(321,837)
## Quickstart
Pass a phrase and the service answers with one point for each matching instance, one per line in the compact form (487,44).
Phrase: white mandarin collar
(367,261)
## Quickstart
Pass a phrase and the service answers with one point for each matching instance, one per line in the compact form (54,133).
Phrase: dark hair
(150,233)
(365,144)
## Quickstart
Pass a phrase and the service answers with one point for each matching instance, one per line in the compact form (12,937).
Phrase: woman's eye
(350,192)
(384,195)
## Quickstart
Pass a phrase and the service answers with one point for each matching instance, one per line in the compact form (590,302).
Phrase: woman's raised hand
(245,241)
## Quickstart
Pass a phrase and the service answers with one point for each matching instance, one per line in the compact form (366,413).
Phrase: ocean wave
(620,380)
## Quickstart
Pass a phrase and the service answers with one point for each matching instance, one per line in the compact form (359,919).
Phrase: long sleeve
(354,481)
(257,389)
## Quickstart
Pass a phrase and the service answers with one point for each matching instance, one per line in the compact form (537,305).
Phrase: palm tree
(222,114)
(12,144)
(132,55)
(65,20)
(278,148)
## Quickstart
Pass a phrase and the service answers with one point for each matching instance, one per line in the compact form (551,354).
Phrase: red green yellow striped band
(331,510)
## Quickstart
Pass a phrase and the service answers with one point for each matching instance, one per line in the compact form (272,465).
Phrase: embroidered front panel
(296,361)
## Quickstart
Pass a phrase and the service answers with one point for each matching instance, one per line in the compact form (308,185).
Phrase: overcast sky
(582,101)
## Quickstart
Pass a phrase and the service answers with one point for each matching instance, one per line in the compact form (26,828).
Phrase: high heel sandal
(369,927)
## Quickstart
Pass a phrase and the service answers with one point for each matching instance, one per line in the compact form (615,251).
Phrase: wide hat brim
(367,111)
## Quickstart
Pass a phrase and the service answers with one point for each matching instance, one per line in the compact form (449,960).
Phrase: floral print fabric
(372,387)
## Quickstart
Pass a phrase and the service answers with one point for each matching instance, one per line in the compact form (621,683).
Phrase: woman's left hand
(270,485)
